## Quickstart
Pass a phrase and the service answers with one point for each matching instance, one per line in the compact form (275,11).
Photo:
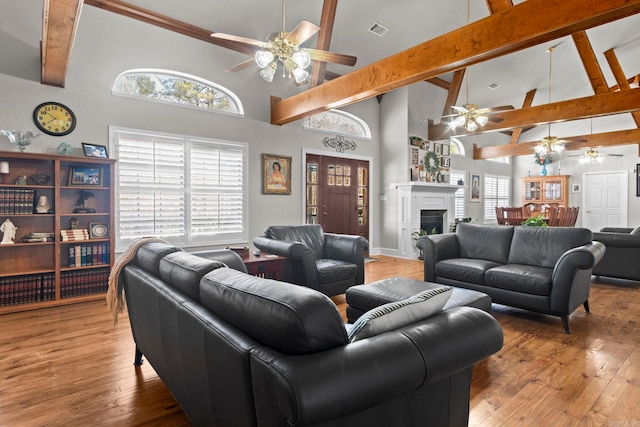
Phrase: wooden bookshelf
(40,269)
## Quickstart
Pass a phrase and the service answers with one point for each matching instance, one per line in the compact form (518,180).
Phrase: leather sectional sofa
(622,259)
(238,350)
(543,269)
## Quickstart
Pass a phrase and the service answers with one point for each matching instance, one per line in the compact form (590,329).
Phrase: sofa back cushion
(488,242)
(148,256)
(543,246)
(289,318)
(311,235)
(183,271)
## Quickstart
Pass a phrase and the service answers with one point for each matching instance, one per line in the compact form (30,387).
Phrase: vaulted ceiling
(596,61)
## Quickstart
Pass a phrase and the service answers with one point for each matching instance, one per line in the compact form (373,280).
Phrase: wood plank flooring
(67,366)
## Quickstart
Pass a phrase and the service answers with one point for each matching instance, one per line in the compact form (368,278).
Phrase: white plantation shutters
(186,191)
(496,193)
(459,195)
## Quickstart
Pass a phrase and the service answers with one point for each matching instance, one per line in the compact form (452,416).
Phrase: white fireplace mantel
(415,196)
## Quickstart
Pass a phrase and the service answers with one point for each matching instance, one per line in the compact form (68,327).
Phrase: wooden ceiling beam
(621,79)
(496,6)
(59,25)
(522,26)
(607,139)
(528,101)
(440,82)
(454,91)
(580,108)
(327,19)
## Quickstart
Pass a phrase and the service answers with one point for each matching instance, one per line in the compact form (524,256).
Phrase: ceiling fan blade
(242,66)
(329,75)
(302,32)
(495,109)
(251,44)
(495,119)
(460,109)
(336,58)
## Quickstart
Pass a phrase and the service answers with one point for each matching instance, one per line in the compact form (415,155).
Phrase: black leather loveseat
(543,269)
(238,350)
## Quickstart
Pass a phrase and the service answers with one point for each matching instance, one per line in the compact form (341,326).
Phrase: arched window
(340,122)
(456,147)
(177,89)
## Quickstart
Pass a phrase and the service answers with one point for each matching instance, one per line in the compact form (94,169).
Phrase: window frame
(490,214)
(188,142)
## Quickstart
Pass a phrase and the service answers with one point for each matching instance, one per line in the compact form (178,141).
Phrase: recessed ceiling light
(378,29)
(494,85)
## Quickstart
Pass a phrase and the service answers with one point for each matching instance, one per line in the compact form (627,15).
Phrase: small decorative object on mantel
(339,143)
(543,160)
(83,196)
(18,138)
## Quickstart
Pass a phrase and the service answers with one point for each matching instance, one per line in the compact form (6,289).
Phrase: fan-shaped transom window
(340,122)
(177,88)
(456,147)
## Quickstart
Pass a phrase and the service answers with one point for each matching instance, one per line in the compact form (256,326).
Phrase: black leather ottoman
(362,298)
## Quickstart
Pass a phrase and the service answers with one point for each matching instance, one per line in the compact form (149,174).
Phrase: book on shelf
(17,201)
(74,234)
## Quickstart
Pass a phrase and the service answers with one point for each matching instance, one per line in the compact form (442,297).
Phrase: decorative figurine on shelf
(22,179)
(43,206)
(543,160)
(18,138)
(83,196)
(9,231)
(74,223)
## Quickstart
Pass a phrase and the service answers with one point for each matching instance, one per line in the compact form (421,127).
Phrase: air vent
(378,29)
(494,85)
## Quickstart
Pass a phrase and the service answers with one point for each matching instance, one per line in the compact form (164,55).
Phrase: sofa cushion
(543,246)
(333,270)
(311,235)
(184,270)
(393,315)
(292,319)
(636,231)
(149,255)
(484,242)
(527,279)
(464,269)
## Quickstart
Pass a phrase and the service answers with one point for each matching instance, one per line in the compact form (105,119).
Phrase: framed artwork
(276,174)
(475,180)
(575,188)
(414,156)
(437,148)
(93,150)
(98,230)
(85,176)
(638,180)
(444,162)
(446,149)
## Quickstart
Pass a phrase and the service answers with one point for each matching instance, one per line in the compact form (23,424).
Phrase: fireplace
(422,205)
(432,220)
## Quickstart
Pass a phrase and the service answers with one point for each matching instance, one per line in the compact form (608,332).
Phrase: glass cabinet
(541,192)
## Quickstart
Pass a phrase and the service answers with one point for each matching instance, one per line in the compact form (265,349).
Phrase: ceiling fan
(471,117)
(592,156)
(284,48)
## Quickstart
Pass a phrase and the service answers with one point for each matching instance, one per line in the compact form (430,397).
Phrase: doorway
(337,194)
(605,200)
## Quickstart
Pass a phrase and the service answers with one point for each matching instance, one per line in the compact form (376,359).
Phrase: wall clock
(54,118)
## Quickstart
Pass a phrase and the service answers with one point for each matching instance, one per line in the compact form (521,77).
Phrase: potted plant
(535,221)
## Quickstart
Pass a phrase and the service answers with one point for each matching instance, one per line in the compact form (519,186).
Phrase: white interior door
(605,200)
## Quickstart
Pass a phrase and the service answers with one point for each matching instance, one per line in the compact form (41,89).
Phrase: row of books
(85,282)
(27,289)
(74,234)
(89,254)
(18,201)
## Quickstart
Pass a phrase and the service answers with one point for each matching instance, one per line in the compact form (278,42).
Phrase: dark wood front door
(338,194)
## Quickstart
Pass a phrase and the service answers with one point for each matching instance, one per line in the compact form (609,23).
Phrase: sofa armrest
(347,248)
(310,389)
(571,279)
(436,247)
(617,239)
(623,230)
(294,252)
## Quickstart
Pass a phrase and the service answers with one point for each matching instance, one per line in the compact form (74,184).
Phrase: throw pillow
(393,315)
(636,231)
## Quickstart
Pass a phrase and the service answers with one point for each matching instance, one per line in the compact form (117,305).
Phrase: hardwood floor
(67,366)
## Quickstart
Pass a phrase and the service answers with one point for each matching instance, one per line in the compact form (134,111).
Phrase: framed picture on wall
(437,148)
(276,174)
(475,190)
(445,149)
(414,156)
(638,180)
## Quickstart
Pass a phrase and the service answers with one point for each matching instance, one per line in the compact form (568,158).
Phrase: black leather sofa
(238,350)
(543,269)
(622,259)
(327,262)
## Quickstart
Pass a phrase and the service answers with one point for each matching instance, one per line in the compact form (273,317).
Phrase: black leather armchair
(329,263)
(622,259)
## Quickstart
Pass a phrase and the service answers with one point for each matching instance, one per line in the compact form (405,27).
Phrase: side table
(266,265)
